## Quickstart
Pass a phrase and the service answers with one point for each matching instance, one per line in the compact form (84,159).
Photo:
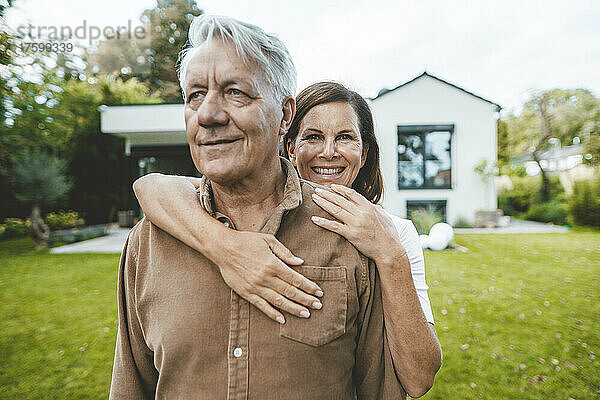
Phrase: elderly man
(183,334)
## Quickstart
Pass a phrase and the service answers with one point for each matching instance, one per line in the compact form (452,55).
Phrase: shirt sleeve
(409,238)
(134,375)
(374,374)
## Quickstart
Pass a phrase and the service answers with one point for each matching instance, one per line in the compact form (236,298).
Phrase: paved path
(111,243)
(114,241)
(518,226)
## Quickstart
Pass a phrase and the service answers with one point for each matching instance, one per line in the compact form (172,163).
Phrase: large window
(424,156)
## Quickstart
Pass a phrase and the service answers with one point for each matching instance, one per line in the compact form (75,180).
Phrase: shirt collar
(292,195)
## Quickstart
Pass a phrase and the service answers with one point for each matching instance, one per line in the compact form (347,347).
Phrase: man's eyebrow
(193,86)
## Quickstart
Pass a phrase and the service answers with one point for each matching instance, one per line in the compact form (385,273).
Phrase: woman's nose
(328,151)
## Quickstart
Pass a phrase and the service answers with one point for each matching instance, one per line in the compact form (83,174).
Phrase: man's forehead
(219,60)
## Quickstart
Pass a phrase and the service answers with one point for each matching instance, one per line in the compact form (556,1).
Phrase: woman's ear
(289,111)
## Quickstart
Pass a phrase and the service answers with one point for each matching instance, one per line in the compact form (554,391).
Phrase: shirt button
(237,352)
(227,226)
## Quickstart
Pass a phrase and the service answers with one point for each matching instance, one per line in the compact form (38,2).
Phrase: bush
(424,220)
(525,193)
(63,220)
(462,222)
(554,211)
(584,203)
(15,227)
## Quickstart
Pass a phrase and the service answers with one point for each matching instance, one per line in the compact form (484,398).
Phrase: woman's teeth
(328,171)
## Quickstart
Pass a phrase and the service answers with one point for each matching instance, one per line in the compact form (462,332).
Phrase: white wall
(427,101)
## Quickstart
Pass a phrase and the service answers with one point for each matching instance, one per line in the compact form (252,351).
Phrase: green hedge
(554,211)
(584,203)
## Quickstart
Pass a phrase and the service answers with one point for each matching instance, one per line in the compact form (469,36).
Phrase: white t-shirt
(409,238)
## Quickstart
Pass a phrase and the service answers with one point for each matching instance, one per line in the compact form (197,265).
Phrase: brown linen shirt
(184,334)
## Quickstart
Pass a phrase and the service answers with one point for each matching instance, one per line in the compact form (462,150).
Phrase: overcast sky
(497,49)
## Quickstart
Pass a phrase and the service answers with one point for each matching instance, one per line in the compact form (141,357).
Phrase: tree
(503,143)
(557,113)
(151,59)
(170,21)
(39,180)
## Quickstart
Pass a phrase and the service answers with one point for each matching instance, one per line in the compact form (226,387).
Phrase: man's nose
(211,111)
(328,151)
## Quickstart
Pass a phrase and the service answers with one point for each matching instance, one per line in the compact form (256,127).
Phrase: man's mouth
(220,141)
(328,171)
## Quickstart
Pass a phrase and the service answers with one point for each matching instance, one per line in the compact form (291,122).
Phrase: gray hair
(251,43)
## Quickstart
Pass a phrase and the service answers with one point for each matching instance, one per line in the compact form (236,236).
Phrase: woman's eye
(346,136)
(312,138)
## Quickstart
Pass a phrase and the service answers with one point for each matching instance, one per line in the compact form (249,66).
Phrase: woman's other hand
(364,224)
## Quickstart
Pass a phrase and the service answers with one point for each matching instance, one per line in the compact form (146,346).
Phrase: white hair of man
(253,45)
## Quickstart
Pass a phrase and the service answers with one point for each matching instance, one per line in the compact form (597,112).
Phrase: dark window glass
(438,207)
(424,156)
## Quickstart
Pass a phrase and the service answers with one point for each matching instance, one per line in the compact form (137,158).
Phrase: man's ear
(291,150)
(289,111)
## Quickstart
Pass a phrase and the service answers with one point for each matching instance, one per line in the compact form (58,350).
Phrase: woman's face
(328,148)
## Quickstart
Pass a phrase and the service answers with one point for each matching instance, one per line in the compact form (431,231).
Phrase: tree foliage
(40,178)
(151,59)
(573,113)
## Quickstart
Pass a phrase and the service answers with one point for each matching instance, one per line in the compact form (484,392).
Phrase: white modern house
(431,135)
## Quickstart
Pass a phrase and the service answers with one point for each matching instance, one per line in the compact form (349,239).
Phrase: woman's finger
(336,199)
(333,209)
(291,292)
(333,226)
(266,308)
(349,193)
(283,253)
(283,304)
(287,274)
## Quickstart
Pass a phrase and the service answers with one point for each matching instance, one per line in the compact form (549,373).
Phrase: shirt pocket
(329,322)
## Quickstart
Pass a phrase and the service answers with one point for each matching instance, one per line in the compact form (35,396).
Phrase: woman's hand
(253,265)
(361,222)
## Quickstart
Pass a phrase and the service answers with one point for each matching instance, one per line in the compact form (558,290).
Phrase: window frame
(422,131)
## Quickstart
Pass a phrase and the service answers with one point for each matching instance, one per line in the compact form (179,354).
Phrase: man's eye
(346,136)
(195,96)
(236,92)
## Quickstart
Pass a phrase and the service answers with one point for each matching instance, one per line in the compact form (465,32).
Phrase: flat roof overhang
(145,125)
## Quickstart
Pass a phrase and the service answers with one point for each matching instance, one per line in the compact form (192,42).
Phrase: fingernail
(317,305)
(319,293)
(298,259)
(304,314)
(281,320)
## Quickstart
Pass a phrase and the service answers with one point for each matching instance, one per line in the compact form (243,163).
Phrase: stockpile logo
(83,32)
(125,48)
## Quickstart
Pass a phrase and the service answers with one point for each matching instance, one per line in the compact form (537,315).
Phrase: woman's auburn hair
(369,181)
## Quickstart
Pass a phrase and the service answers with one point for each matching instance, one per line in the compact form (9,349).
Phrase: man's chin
(222,174)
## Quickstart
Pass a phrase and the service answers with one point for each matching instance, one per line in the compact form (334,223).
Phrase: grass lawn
(518,318)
